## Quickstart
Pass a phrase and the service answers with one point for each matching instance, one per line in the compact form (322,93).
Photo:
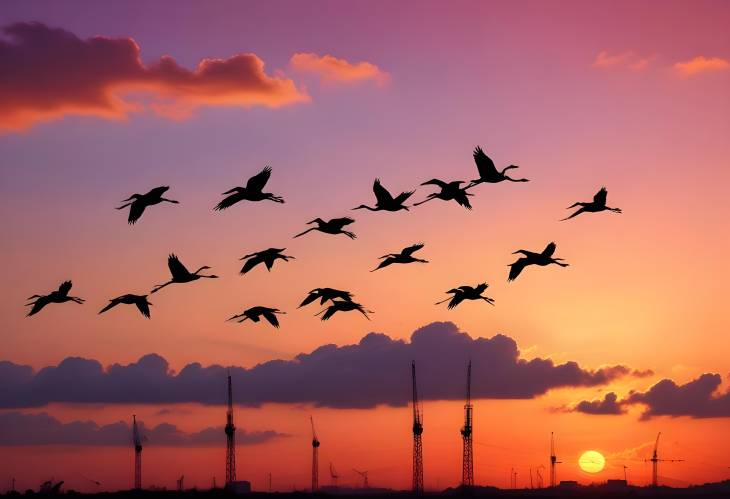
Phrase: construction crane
(364,475)
(181,483)
(334,475)
(539,476)
(230,431)
(625,476)
(531,484)
(655,462)
(417,437)
(270,489)
(315,458)
(467,468)
(137,440)
(553,461)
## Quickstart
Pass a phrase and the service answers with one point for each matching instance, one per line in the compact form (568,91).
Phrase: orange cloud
(701,64)
(332,69)
(49,73)
(628,59)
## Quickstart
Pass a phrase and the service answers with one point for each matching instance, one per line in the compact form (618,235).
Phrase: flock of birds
(339,300)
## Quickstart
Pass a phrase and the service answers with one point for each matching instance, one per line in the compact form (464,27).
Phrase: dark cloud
(608,405)
(48,73)
(698,398)
(375,371)
(41,429)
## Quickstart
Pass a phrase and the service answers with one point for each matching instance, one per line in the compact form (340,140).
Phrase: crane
(553,461)
(230,431)
(467,469)
(539,476)
(334,475)
(137,440)
(417,437)
(655,462)
(181,483)
(364,475)
(315,457)
(625,476)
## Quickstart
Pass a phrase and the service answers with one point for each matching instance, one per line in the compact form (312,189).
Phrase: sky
(99,101)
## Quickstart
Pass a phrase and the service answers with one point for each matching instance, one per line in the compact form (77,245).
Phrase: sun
(592,461)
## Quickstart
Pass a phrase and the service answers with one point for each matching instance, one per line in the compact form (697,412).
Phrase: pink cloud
(49,73)
(701,64)
(628,60)
(332,69)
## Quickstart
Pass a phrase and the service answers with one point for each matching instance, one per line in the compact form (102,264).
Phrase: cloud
(701,64)
(49,73)
(332,69)
(698,398)
(41,429)
(608,405)
(627,60)
(374,371)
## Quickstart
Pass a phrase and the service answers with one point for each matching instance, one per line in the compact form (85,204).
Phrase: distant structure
(230,431)
(315,458)
(539,477)
(417,441)
(655,462)
(364,475)
(137,440)
(467,470)
(334,475)
(181,483)
(553,462)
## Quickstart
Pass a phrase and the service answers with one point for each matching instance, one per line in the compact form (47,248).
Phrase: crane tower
(467,470)
(230,431)
(417,440)
(315,458)
(137,440)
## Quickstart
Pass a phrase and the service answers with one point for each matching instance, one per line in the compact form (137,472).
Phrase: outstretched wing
(381,193)
(177,269)
(463,199)
(458,298)
(403,197)
(251,263)
(270,316)
(516,268)
(341,222)
(136,210)
(411,249)
(485,165)
(312,296)
(388,260)
(435,181)
(64,288)
(258,181)
(600,197)
(112,303)
(229,201)
(143,306)
(157,191)
(549,249)
(331,310)
(38,305)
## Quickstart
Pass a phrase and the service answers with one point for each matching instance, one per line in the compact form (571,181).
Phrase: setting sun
(592,461)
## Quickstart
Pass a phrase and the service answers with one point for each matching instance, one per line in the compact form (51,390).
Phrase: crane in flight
(58,296)
(255,313)
(531,258)
(254,191)
(325,294)
(384,201)
(267,257)
(598,204)
(450,191)
(343,306)
(140,301)
(488,173)
(138,202)
(180,274)
(467,293)
(332,226)
(405,256)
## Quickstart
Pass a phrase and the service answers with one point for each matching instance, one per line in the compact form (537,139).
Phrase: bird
(324,294)
(332,226)
(405,256)
(467,293)
(255,313)
(449,191)
(598,204)
(139,202)
(140,301)
(267,256)
(531,258)
(384,200)
(180,274)
(488,172)
(343,306)
(252,192)
(58,296)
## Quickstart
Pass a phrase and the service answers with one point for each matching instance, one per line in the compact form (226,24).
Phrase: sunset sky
(102,100)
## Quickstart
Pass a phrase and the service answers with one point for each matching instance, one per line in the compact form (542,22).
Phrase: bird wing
(157,191)
(330,311)
(342,221)
(600,197)
(435,181)
(38,305)
(463,199)
(112,303)
(64,288)
(381,193)
(411,249)
(251,263)
(270,316)
(458,298)
(549,249)
(516,268)
(136,209)
(485,165)
(309,299)
(388,260)
(258,181)
(177,269)
(229,201)
(143,306)
(403,196)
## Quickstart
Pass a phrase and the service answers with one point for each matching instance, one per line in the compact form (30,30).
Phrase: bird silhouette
(140,301)
(332,226)
(467,293)
(531,258)
(255,314)
(252,192)
(598,204)
(384,200)
(58,296)
(268,257)
(325,294)
(343,306)
(449,191)
(139,202)
(180,274)
(488,172)
(405,256)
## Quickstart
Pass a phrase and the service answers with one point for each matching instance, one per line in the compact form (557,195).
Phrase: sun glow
(592,461)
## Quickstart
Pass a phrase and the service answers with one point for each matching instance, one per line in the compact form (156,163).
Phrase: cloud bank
(41,429)
(701,64)
(332,69)
(48,73)
(374,371)
(608,405)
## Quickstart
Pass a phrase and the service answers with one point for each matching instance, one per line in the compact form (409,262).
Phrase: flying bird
(252,192)
(58,296)
(140,301)
(467,293)
(405,256)
(268,257)
(139,202)
(598,204)
(325,294)
(180,274)
(449,191)
(531,258)
(384,200)
(332,226)
(255,314)
(343,306)
(488,172)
